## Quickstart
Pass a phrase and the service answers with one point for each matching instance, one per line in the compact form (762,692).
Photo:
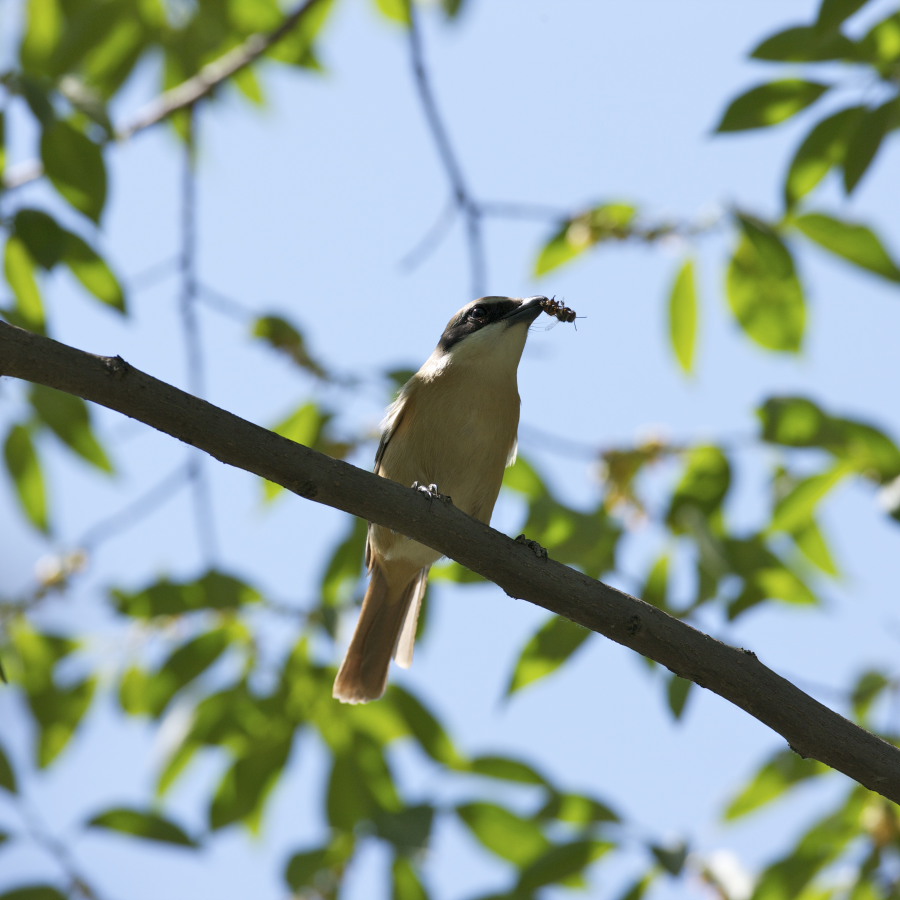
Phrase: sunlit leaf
(361,785)
(214,590)
(702,489)
(678,690)
(855,243)
(303,426)
(769,104)
(68,418)
(282,335)
(43,29)
(880,46)
(868,688)
(24,467)
(34,892)
(763,290)
(561,865)
(805,43)
(822,149)
(781,773)
(143,824)
(656,585)
(428,732)
(18,268)
(554,642)
(766,576)
(59,711)
(832,13)
(812,544)
(506,769)
(795,509)
(683,315)
(344,568)
(41,234)
(508,835)
(93,272)
(866,141)
(74,164)
(577,810)
(406,883)
(610,221)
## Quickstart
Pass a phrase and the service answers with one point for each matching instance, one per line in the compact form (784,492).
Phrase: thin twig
(188,93)
(462,196)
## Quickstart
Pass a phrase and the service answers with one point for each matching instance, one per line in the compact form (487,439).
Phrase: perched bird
(453,428)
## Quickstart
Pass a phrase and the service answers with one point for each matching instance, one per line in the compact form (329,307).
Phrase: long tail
(364,671)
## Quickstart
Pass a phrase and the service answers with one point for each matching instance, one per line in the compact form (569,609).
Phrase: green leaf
(764,292)
(41,235)
(506,834)
(683,314)
(702,489)
(672,859)
(782,772)
(677,692)
(823,148)
(34,892)
(303,426)
(59,712)
(506,769)
(361,785)
(44,28)
(395,10)
(7,775)
(577,810)
(406,882)
(795,510)
(804,43)
(833,13)
(92,271)
(24,468)
(812,544)
(407,829)
(18,268)
(771,103)
(139,823)
(869,687)
(344,569)
(282,335)
(553,643)
(855,243)
(610,221)
(656,586)
(881,46)
(866,141)
(793,422)
(74,164)
(246,785)
(214,590)
(427,731)
(561,864)
(68,418)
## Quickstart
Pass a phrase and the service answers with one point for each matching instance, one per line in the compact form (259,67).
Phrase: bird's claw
(539,551)
(431,492)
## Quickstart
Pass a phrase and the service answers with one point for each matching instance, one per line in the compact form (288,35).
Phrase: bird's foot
(539,551)
(431,492)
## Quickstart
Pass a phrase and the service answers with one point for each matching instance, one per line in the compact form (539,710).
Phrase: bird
(451,432)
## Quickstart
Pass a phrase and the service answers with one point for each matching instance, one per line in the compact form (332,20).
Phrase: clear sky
(308,208)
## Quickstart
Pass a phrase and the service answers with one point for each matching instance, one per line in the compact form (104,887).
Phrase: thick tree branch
(810,728)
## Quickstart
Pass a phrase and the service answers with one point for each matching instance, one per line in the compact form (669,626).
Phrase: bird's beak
(527,311)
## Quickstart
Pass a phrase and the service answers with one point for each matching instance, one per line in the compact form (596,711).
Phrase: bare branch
(186,94)
(810,728)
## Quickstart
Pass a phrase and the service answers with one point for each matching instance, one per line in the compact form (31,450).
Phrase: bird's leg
(539,551)
(431,492)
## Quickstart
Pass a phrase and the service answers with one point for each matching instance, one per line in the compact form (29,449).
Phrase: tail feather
(364,671)
(403,654)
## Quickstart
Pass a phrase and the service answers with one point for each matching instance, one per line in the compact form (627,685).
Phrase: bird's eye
(477,314)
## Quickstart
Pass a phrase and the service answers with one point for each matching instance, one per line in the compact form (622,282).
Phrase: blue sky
(307,208)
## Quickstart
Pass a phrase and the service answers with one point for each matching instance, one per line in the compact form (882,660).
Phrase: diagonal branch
(186,94)
(811,728)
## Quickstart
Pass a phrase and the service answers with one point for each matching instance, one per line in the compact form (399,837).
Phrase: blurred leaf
(796,508)
(793,421)
(24,468)
(92,271)
(832,13)
(68,418)
(34,892)
(283,336)
(74,164)
(869,687)
(407,829)
(782,772)
(678,691)
(425,728)
(805,43)
(41,235)
(7,775)
(406,882)
(656,586)
(769,104)
(214,590)
(2,143)
(855,243)
(683,315)
(672,859)
(823,148)
(553,643)
(395,10)
(139,823)
(577,810)
(813,545)
(702,489)
(506,834)
(43,28)
(107,63)
(880,46)
(506,769)
(764,292)
(344,569)
(866,141)
(560,865)
(303,426)
(765,575)
(297,48)
(58,712)
(18,268)
(360,786)
(610,221)
(245,786)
